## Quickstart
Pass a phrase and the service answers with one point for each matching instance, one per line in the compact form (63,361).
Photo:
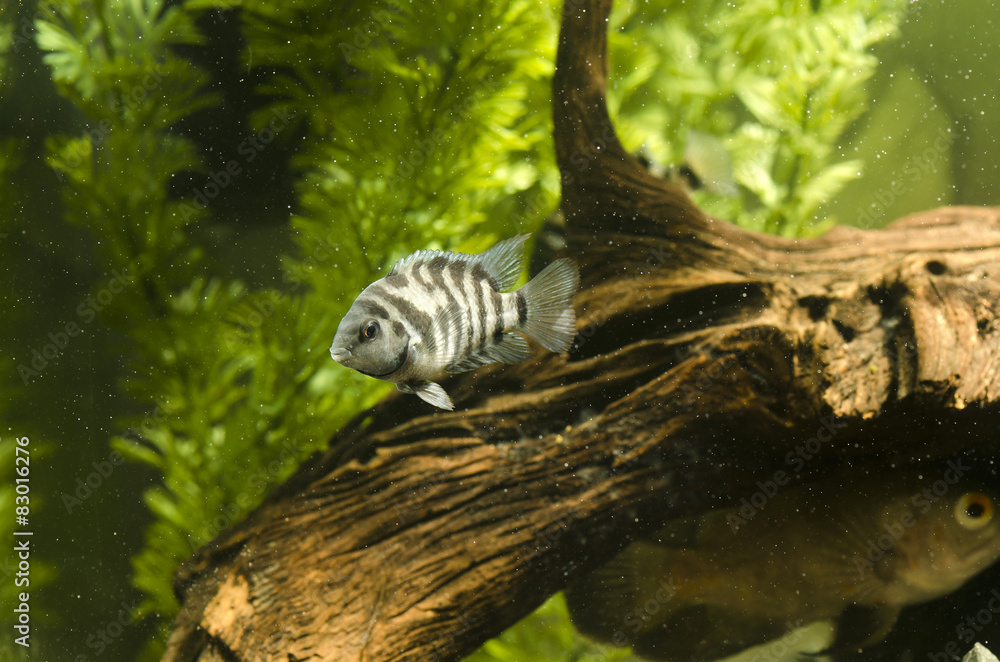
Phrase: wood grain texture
(705,353)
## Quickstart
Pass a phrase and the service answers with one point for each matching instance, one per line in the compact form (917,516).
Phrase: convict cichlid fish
(852,551)
(439,312)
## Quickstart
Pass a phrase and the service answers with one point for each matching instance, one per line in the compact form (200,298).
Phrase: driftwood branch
(705,354)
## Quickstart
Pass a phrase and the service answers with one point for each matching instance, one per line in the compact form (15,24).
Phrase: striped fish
(439,312)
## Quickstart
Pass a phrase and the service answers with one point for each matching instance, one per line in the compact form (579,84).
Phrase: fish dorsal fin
(502,261)
(418,256)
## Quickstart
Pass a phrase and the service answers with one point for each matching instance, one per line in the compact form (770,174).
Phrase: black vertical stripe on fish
(399,281)
(456,271)
(484,334)
(418,277)
(436,267)
(522,309)
(479,274)
(435,272)
(498,323)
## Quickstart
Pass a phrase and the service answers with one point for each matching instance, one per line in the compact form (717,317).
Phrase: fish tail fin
(548,302)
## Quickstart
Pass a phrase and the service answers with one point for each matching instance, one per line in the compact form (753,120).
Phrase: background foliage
(202,187)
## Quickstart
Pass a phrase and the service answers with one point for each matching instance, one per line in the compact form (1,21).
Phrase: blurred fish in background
(847,554)
(707,165)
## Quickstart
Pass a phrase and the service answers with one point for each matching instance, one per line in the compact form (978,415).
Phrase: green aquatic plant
(546,636)
(233,383)
(777,83)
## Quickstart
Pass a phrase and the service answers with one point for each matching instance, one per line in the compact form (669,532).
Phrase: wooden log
(705,355)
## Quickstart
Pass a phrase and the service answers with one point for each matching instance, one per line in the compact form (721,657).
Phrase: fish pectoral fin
(640,574)
(404,388)
(432,393)
(439,352)
(860,626)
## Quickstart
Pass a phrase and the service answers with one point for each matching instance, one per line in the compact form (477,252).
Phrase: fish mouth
(339,354)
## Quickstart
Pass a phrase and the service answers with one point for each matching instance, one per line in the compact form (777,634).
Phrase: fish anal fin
(468,363)
(512,348)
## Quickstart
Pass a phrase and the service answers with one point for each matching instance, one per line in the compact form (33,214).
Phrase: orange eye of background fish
(369,330)
(974,510)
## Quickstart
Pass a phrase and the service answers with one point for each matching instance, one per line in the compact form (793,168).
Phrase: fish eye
(369,330)
(974,510)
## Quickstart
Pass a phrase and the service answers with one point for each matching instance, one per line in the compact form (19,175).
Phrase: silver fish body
(440,312)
